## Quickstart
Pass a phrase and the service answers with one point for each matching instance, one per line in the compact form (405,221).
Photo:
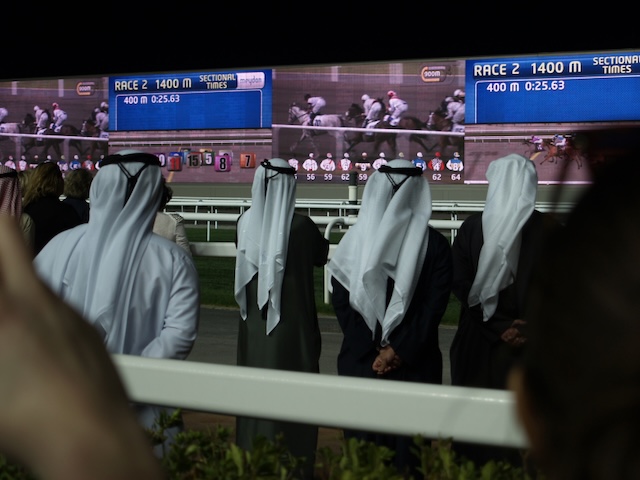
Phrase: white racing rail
(433,411)
(228,249)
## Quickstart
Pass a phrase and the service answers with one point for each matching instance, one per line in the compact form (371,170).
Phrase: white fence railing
(188,206)
(228,249)
(212,204)
(434,411)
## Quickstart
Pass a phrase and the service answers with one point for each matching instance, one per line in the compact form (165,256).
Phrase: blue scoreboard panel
(191,101)
(541,89)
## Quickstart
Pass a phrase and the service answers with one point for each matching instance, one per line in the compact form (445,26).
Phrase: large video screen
(450,117)
(33,130)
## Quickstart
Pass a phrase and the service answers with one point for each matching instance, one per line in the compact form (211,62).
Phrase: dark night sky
(83,39)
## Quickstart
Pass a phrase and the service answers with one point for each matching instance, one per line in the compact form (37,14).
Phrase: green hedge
(211,454)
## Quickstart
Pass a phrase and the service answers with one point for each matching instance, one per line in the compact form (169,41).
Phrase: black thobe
(414,340)
(294,344)
(479,358)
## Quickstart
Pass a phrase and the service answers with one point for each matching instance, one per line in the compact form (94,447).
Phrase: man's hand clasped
(386,361)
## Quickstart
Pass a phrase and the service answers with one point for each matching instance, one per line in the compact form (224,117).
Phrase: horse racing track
(346,138)
(51,146)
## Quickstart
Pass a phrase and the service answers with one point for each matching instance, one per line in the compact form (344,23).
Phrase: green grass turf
(217,273)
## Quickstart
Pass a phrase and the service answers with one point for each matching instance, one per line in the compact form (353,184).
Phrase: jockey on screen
(102,119)
(59,117)
(397,108)
(455,111)
(373,109)
(42,120)
(315,106)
